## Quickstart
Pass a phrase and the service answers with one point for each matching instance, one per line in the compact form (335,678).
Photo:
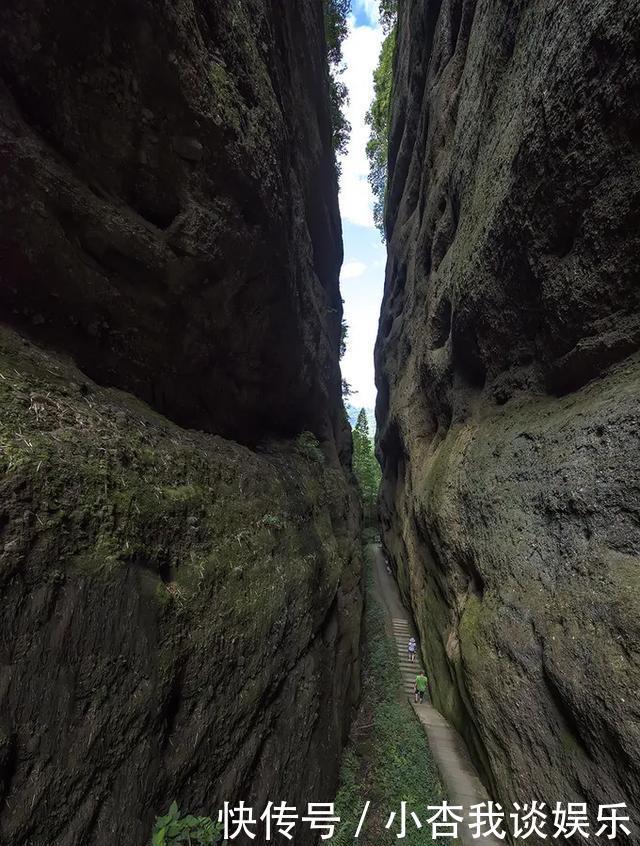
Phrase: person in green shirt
(420,686)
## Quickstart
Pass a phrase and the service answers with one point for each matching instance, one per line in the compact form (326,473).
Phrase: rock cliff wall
(180,609)
(509,382)
(169,211)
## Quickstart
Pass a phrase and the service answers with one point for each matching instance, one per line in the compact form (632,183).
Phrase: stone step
(463,785)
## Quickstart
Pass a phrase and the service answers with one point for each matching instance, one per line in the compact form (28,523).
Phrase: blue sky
(362,277)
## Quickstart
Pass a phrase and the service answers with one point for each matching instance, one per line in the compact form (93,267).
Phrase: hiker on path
(412,648)
(420,687)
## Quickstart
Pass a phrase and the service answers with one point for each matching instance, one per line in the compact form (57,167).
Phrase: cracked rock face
(180,611)
(509,377)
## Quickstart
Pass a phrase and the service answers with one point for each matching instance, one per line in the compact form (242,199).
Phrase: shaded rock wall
(509,377)
(181,608)
(180,615)
(169,212)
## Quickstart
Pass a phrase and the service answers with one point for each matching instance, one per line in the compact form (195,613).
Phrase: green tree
(344,331)
(335,27)
(388,14)
(379,112)
(365,467)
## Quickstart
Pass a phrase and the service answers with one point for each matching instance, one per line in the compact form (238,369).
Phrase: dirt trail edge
(458,774)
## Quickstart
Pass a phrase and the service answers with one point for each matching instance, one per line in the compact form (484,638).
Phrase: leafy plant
(344,331)
(388,14)
(308,445)
(273,521)
(173,829)
(378,115)
(335,25)
(365,466)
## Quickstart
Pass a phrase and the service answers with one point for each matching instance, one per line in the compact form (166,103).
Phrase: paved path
(458,774)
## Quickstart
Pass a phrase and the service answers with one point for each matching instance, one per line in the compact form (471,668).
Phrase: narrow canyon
(182,566)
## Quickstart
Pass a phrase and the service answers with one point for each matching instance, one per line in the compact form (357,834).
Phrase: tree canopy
(335,26)
(365,466)
(378,114)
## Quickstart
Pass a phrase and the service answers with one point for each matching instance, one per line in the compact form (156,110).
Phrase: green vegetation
(173,829)
(344,331)
(335,27)
(214,534)
(335,24)
(309,446)
(388,13)
(388,760)
(378,114)
(366,467)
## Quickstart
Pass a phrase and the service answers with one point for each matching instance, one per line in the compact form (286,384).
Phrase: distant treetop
(335,27)
(379,113)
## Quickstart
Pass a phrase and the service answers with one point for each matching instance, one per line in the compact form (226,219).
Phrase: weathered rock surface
(509,381)
(180,610)
(180,615)
(168,207)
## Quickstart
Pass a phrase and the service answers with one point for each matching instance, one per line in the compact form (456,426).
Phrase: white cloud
(360,50)
(371,8)
(352,269)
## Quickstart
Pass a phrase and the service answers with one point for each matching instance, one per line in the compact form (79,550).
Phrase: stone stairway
(402,631)
(460,778)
